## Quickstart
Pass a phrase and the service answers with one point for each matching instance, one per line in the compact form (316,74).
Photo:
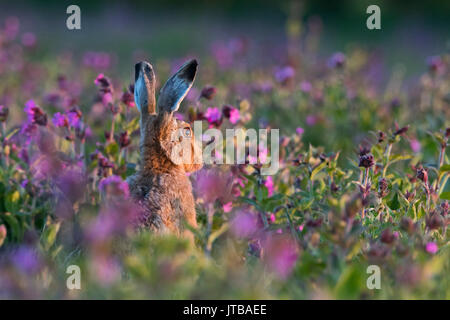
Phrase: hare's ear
(176,88)
(144,89)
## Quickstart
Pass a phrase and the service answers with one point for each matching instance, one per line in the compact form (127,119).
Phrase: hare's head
(166,142)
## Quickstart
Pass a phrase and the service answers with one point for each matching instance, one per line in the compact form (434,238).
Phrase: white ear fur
(144,94)
(144,88)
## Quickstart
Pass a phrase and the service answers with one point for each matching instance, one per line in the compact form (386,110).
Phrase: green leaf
(250,201)
(14,226)
(13,132)
(317,170)
(112,148)
(12,201)
(394,203)
(397,157)
(132,126)
(445,195)
(49,235)
(445,168)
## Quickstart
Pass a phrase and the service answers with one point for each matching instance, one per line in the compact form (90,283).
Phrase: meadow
(363,179)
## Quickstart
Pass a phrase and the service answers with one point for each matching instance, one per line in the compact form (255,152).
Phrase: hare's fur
(161,186)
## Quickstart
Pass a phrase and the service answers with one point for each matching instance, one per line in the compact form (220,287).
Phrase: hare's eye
(187,132)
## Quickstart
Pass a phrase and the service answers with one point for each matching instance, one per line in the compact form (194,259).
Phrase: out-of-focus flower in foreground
(280,254)
(284,74)
(114,186)
(213,184)
(337,60)
(26,259)
(244,224)
(3,234)
(415,145)
(431,247)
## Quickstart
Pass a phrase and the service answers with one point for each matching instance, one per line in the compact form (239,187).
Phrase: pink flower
(436,64)
(60,120)
(281,254)
(227,207)
(28,39)
(244,224)
(284,74)
(115,186)
(106,270)
(311,120)
(35,114)
(432,247)
(269,185)
(213,115)
(128,99)
(26,259)
(3,234)
(208,92)
(305,86)
(114,219)
(272,218)
(211,185)
(337,60)
(74,119)
(100,79)
(107,99)
(415,145)
(300,131)
(231,113)
(234,116)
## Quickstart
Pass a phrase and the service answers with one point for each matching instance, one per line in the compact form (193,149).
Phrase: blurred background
(411,30)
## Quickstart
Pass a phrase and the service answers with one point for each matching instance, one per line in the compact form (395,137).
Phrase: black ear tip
(191,69)
(143,66)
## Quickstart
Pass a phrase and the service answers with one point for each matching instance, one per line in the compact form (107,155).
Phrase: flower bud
(2,234)
(387,236)
(383,188)
(434,221)
(366,161)
(407,225)
(124,139)
(208,92)
(4,112)
(422,174)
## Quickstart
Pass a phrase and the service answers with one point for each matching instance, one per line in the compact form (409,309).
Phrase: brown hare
(168,152)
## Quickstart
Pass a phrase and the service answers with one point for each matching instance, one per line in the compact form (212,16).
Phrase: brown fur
(162,186)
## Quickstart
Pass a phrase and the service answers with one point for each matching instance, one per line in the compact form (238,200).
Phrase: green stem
(442,156)
(209,223)
(111,134)
(387,154)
